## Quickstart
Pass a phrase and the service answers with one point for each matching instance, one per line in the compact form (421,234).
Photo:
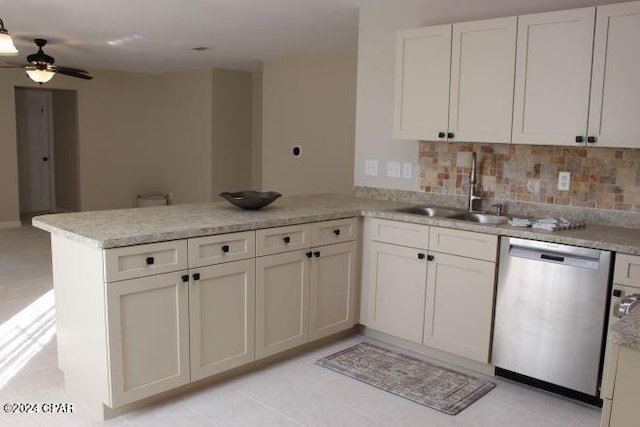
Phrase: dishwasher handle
(554,257)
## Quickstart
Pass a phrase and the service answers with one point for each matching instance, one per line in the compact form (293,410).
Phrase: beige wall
(188,127)
(376,49)
(309,100)
(65,137)
(256,137)
(231,155)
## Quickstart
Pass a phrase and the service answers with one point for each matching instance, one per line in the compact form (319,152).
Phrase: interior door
(34,134)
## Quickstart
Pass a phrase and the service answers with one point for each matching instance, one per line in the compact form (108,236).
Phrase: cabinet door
(332,289)
(615,88)
(624,410)
(423,58)
(222,318)
(459,309)
(397,283)
(553,75)
(148,327)
(482,72)
(282,302)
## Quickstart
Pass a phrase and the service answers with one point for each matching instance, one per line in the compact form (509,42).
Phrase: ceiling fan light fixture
(39,74)
(7,48)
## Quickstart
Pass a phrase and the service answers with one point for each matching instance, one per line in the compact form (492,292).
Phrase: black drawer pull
(592,139)
(225,248)
(617,293)
(450,135)
(286,239)
(579,139)
(185,278)
(150,260)
(441,134)
(196,276)
(430,258)
(309,254)
(420,256)
(316,254)
(336,231)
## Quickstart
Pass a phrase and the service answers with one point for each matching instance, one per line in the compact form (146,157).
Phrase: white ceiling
(157,36)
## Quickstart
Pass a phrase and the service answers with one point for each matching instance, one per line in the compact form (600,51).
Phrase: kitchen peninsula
(137,290)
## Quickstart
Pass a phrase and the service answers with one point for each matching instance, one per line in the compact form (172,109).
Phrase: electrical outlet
(564,181)
(371,168)
(406,170)
(394,169)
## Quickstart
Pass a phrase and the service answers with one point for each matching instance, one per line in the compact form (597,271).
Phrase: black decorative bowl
(250,199)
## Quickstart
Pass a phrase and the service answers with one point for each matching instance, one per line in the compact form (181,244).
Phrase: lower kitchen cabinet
(437,291)
(332,289)
(459,305)
(621,408)
(222,317)
(148,332)
(282,302)
(397,286)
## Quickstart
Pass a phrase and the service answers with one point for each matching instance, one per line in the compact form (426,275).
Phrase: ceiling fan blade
(68,72)
(75,70)
(11,66)
(15,64)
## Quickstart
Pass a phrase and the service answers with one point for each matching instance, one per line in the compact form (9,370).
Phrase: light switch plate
(564,181)
(394,169)
(371,168)
(406,170)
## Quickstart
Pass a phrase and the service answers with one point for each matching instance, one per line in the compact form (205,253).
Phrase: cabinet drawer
(627,270)
(221,248)
(463,243)
(337,231)
(400,233)
(283,239)
(144,260)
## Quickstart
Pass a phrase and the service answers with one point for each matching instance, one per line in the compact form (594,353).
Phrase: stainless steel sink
(480,218)
(432,211)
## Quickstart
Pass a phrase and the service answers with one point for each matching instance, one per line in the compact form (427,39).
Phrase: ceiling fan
(40,66)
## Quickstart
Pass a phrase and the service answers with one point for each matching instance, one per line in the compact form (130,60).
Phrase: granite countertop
(125,227)
(626,331)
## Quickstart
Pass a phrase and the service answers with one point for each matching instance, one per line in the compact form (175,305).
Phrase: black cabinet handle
(150,260)
(316,254)
(592,139)
(450,135)
(309,254)
(617,293)
(430,258)
(185,278)
(420,256)
(196,276)
(45,159)
(441,134)
(336,231)
(225,248)
(286,239)
(579,139)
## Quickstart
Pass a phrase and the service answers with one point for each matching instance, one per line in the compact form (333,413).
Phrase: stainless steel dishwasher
(551,305)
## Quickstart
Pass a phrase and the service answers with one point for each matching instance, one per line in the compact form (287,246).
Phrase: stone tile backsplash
(601,178)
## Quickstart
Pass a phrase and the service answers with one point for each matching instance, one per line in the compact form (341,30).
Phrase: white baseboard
(10,224)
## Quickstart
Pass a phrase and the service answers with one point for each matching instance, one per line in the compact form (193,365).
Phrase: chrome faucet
(473,179)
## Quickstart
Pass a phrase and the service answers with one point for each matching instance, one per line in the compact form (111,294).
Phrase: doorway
(47,137)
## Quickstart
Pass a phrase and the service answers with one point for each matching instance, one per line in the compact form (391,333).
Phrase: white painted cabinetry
(572,88)
(621,364)
(148,334)
(307,293)
(455,82)
(435,289)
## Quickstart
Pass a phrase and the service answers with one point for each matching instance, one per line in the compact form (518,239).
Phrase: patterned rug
(439,388)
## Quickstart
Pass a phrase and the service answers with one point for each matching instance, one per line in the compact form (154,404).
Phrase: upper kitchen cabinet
(455,82)
(615,87)
(573,89)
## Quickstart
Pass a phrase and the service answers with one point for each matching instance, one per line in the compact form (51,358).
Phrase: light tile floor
(293,393)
